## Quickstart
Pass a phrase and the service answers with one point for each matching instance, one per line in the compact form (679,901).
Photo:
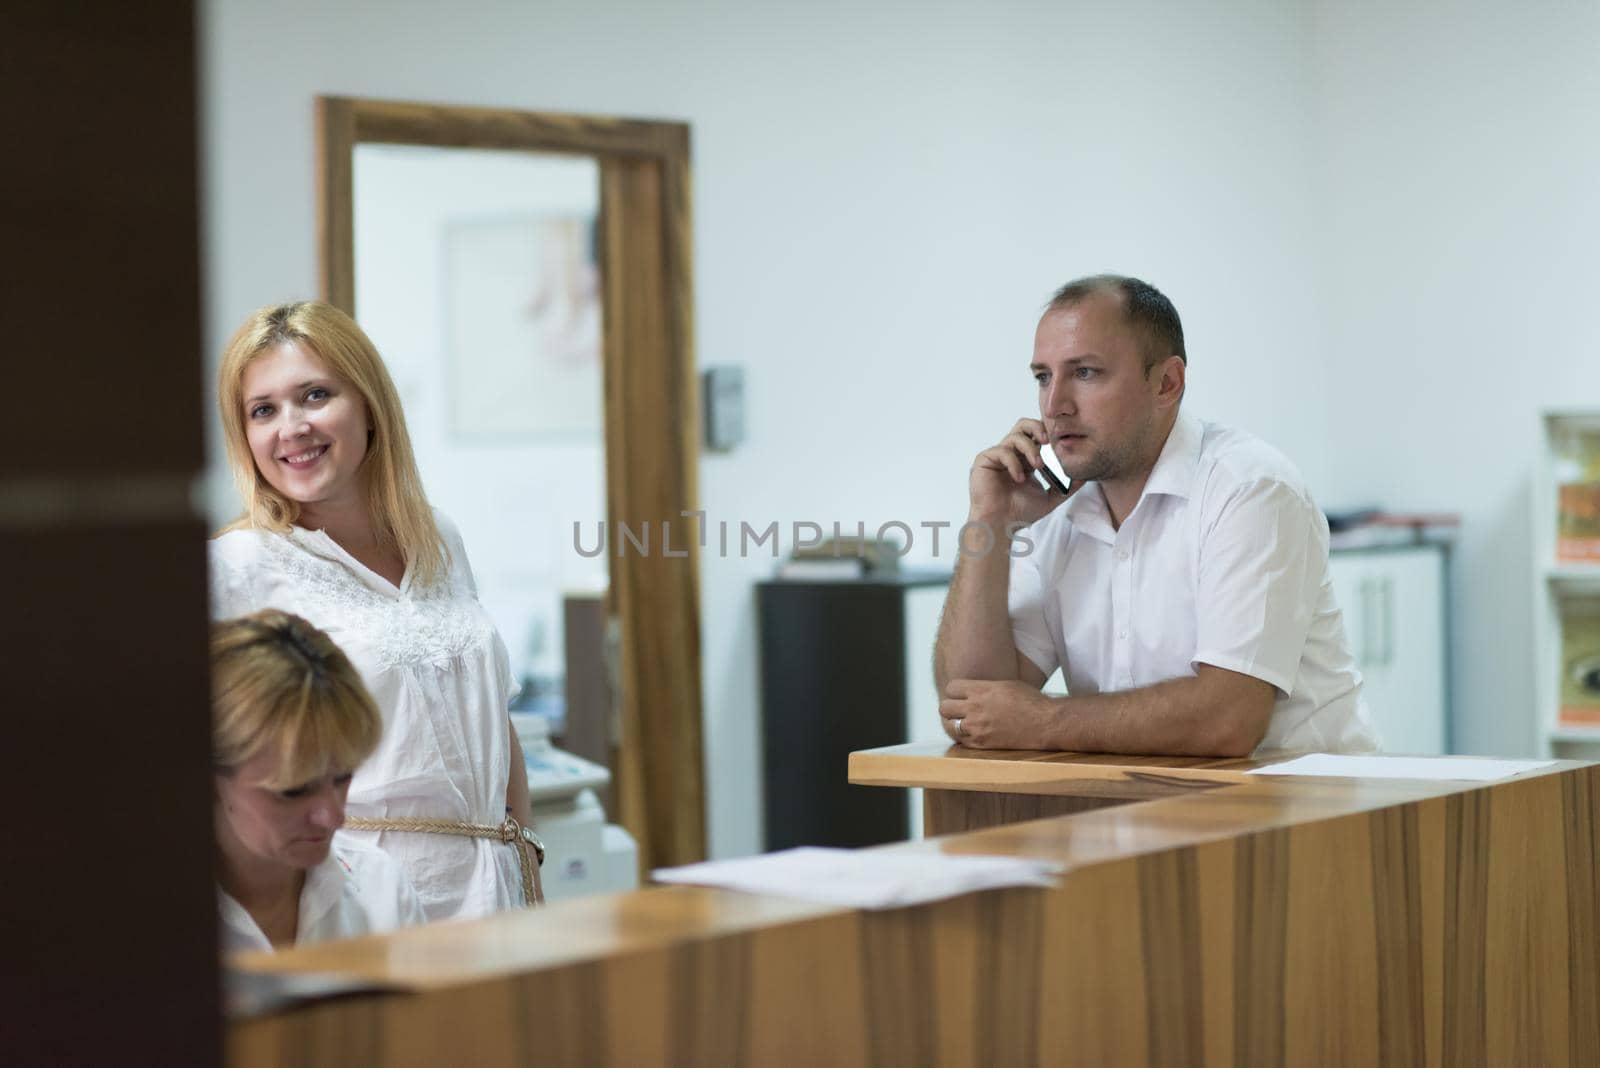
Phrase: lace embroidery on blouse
(424,626)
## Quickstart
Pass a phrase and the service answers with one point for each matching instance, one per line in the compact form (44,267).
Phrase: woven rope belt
(530,851)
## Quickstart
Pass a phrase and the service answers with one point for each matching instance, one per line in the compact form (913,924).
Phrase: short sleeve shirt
(1223,561)
(356,890)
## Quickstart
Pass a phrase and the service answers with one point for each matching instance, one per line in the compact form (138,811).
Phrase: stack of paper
(869,879)
(1478,769)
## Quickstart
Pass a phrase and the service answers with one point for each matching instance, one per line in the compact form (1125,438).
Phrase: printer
(583,853)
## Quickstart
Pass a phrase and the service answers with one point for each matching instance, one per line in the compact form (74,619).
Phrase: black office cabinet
(834,666)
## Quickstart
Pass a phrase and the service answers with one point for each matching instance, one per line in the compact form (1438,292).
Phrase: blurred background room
(1377,221)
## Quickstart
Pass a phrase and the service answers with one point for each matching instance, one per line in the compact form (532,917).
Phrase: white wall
(1459,167)
(885,194)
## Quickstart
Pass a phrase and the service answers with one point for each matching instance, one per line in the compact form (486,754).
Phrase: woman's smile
(307,428)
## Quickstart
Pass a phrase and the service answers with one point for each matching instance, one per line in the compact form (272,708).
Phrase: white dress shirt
(356,890)
(1223,561)
(442,679)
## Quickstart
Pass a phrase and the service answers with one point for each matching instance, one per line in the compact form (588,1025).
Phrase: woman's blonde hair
(280,685)
(398,508)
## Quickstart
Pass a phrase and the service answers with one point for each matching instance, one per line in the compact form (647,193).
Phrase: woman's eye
(317,394)
(343,780)
(294,793)
(261,411)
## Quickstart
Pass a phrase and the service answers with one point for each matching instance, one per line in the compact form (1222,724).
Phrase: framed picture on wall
(522,322)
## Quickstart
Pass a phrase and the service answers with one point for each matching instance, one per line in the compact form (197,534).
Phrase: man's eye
(1040,377)
(1088,372)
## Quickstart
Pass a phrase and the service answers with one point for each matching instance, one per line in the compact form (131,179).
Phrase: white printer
(583,853)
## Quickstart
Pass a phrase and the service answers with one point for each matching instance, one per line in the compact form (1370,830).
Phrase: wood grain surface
(954,811)
(1305,922)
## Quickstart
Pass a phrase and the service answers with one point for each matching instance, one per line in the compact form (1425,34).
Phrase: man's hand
(1001,486)
(981,714)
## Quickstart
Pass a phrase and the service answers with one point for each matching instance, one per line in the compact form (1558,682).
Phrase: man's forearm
(1179,717)
(975,630)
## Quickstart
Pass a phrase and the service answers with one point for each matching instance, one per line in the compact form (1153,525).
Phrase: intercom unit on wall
(722,406)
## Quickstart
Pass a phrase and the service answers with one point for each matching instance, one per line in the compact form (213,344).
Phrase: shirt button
(1122,554)
(1123,633)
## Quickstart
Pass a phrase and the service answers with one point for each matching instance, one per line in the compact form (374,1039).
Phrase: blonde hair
(280,685)
(393,489)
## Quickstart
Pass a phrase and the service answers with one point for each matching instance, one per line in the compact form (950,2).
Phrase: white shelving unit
(1558,585)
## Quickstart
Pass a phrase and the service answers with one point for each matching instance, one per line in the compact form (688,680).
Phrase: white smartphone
(1051,477)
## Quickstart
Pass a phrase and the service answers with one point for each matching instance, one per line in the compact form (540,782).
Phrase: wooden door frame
(651,412)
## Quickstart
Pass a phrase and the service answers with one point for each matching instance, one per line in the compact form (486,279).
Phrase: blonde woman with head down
(290,722)
(336,528)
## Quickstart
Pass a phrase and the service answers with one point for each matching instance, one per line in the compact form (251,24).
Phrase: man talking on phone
(1180,582)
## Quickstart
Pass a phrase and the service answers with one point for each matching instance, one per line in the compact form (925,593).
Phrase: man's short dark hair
(1148,311)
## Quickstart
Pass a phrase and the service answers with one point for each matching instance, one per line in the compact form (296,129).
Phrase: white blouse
(356,890)
(442,678)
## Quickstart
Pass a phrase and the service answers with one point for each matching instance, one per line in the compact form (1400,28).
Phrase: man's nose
(1059,399)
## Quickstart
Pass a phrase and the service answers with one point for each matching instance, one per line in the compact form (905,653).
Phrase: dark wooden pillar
(107,907)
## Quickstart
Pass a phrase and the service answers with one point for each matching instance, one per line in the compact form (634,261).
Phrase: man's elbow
(1232,712)
(1234,731)
(1233,744)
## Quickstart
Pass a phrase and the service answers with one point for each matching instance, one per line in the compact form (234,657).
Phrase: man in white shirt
(1181,583)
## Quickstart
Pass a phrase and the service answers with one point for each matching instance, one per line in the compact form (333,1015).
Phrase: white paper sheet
(870,879)
(1477,769)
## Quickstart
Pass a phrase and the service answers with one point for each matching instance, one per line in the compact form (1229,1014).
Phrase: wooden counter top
(939,765)
(447,954)
(1245,920)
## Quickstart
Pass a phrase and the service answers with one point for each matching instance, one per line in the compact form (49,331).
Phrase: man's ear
(1173,372)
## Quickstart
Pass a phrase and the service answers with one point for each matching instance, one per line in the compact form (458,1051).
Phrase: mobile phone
(1046,477)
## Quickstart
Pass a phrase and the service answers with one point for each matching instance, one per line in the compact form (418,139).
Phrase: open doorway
(579,238)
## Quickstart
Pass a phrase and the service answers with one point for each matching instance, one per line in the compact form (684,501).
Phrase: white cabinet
(924,605)
(1393,600)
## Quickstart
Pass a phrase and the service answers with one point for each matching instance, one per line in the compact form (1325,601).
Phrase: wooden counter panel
(1268,923)
(954,811)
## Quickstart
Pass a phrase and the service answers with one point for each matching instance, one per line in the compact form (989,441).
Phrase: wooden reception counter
(1204,917)
(965,789)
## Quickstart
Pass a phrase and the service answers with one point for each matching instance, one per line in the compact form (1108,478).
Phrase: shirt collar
(1180,457)
(323,889)
(1172,474)
(238,920)
(319,895)
(318,543)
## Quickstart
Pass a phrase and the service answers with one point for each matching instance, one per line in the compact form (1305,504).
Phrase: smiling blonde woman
(290,723)
(336,528)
